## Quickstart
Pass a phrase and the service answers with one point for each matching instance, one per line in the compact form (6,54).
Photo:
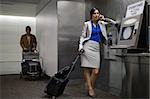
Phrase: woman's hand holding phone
(101,17)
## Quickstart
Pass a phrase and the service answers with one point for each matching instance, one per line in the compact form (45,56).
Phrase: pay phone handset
(109,39)
(136,27)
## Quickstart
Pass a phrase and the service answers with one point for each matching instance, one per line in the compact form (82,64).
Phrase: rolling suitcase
(30,65)
(59,81)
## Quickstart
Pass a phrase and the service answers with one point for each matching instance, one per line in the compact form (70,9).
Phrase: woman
(93,36)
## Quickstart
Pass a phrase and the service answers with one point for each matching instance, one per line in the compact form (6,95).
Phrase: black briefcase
(56,86)
(59,81)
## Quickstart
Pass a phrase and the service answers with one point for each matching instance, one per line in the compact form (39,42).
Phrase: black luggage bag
(30,65)
(31,68)
(59,81)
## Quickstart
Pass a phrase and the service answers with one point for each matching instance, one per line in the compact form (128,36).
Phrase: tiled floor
(12,87)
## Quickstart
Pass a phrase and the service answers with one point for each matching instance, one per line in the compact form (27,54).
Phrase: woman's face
(96,15)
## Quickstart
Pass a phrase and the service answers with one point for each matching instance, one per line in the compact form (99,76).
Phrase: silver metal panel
(136,81)
(47,37)
(70,21)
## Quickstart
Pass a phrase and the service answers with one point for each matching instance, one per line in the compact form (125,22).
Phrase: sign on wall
(135,9)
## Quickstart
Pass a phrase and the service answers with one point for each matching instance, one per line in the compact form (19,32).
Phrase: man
(28,41)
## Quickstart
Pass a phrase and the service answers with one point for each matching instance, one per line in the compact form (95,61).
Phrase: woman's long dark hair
(92,11)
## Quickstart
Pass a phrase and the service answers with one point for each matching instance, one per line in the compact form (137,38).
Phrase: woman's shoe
(91,93)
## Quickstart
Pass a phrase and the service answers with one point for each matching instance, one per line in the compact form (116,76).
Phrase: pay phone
(130,32)
(133,34)
(129,52)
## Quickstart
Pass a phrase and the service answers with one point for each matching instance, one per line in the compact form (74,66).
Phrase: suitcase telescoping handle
(74,62)
(77,57)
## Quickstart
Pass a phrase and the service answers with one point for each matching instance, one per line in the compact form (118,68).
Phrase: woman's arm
(83,36)
(110,20)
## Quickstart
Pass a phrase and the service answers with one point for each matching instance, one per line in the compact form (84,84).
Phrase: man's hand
(33,49)
(25,49)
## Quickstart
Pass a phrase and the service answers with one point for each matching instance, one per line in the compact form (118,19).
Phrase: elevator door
(70,21)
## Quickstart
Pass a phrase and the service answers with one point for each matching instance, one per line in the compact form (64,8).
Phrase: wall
(114,9)
(41,5)
(148,1)
(11,29)
(47,37)
(17,9)
(136,80)
(58,31)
